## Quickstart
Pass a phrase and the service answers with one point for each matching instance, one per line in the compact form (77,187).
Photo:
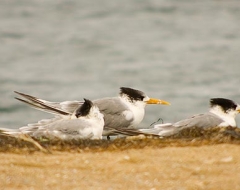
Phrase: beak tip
(157,101)
(167,104)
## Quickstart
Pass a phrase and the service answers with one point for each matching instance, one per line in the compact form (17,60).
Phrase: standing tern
(86,122)
(125,111)
(222,113)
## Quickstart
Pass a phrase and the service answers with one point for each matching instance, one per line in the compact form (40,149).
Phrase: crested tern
(124,111)
(86,122)
(222,113)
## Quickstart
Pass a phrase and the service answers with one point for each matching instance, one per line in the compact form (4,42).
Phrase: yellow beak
(157,101)
(238,108)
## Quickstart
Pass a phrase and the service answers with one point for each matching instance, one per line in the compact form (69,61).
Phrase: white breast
(228,118)
(135,112)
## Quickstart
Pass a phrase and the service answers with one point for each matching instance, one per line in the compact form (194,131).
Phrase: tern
(222,113)
(86,122)
(124,111)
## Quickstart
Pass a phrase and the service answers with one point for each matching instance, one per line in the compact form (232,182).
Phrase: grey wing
(70,106)
(30,129)
(42,124)
(66,129)
(113,109)
(62,108)
(67,106)
(201,120)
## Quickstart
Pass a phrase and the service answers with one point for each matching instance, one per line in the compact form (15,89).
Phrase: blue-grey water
(182,51)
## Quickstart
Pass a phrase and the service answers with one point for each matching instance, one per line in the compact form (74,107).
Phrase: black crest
(84,109)
(226,104)
(132,93)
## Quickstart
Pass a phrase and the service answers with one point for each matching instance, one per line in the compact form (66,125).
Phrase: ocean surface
(182,51)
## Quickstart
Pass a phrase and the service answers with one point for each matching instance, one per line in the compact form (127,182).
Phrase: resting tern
(86,122)
(222,113)
(125,111)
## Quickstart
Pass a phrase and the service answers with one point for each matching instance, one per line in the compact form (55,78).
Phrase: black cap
(132,93)
(84,109)
(226,104)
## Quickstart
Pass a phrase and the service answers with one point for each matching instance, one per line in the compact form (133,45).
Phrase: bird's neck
(229,119)
(137,109)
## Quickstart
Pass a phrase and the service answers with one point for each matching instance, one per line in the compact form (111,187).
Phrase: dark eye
(141,98)
(234,106)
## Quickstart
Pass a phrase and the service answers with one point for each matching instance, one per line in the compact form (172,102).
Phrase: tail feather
(41,104)
(128,132)
(10,132)
(36,106)
(2,130)
(164,130)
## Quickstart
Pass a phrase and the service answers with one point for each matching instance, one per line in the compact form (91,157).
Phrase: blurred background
(182,51)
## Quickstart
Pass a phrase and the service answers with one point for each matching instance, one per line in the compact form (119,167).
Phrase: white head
(225,106)
(88,109)
(225,109)
(139,98)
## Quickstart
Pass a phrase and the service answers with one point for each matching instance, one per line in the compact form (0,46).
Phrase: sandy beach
(201,162)
(204,167)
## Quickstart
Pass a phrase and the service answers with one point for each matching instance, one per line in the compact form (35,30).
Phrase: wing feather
(41,104)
